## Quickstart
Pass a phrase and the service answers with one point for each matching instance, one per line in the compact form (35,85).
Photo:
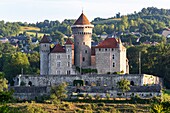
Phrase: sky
(33,11)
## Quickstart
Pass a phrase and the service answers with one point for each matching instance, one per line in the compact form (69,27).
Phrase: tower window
(68,64)
(58,56)
(113,56)
(58,64)
(113,64)
(83,43)
(68,56)
(68,72)
(83,59)
(58,72)
(85,51)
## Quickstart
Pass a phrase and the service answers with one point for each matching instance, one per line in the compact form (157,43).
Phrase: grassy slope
(31,30)
(69,107)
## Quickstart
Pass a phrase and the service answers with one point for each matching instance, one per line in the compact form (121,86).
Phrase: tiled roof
(82,20)
(44,39)
(58,49)
(69,41)
(108,43)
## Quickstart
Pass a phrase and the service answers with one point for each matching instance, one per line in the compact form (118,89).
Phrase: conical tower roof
(44,39)
(68,42)
(58,49)
(82,20)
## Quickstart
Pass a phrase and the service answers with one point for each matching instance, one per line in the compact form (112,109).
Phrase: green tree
(58,92)
(123,85)
(3,82)
(14,64)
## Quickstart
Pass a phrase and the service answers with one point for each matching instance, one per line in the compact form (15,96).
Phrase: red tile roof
(108,43)
(58,49)
(44,39)
(69,41)
(82,20)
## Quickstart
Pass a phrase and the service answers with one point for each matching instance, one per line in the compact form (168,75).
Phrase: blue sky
(39,10)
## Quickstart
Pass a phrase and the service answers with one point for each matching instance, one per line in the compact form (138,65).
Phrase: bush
(101,104)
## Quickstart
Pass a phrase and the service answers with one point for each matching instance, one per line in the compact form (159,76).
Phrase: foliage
(15,64)
(124,85)
(8,28)
(154,60)
(3,82)
(58,93)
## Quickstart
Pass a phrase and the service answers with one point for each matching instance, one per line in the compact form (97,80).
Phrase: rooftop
(82,20)
(58,49)
(108,43)
(45,39)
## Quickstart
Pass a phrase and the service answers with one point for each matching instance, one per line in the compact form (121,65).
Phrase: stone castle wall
(100,80)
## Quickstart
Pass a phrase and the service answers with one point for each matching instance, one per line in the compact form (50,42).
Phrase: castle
(58,65)
(107,56)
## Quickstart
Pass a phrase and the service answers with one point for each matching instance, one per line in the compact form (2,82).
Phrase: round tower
(82,31)
(44,55)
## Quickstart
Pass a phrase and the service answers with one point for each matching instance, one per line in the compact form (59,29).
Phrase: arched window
(30,83)
(132,83)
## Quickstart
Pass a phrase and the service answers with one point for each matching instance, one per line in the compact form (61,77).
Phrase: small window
(83,43)
(58,72)
(78,43)
(58,64)
(68,56)
(105,49)
(85,51)
(68,72)
(113,64)
(83,59)
(58,56)
(112,49)
(68,50)
(113,56)
(99,49)
(68,64)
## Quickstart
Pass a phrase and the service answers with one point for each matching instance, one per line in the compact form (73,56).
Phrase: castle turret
(44,55)
(69,52)
(82,31)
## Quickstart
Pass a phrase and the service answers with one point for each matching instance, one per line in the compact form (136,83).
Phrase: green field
(31,31)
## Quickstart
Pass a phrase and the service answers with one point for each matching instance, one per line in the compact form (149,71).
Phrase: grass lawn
(31,31)
(23,28)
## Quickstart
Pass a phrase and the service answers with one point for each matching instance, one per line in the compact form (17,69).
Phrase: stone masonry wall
(100,80)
